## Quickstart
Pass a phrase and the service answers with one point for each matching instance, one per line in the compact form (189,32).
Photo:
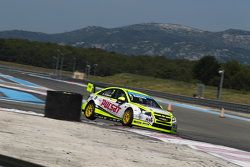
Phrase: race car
(128,107)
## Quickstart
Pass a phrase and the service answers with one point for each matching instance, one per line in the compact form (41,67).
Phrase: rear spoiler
(91,88)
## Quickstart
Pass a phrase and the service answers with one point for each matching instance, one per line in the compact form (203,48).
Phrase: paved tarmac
(192,124)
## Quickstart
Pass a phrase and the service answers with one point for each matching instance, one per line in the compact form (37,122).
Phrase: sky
(55,16)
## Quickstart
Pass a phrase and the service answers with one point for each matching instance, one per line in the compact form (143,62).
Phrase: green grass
(171,86)
(151,83)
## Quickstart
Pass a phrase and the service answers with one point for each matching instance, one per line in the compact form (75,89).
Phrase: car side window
(107,93)
(119,93)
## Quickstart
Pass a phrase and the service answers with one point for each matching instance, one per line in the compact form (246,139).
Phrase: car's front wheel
(89,111)
(127,117)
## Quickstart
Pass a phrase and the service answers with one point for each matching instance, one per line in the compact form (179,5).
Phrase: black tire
(127,118)
(89,111)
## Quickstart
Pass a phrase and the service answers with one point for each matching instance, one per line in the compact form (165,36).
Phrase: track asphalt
(192,124)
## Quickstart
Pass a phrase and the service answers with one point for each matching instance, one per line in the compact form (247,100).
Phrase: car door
(107,102)
(122,105)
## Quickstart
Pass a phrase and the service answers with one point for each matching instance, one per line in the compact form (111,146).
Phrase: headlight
(174,119)
(145,112)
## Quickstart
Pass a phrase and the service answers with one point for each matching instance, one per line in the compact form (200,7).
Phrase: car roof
(128,90)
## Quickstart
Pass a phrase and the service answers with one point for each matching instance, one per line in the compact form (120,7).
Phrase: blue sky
(52,16)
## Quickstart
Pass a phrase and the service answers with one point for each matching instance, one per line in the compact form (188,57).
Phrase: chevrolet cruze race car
(130,108)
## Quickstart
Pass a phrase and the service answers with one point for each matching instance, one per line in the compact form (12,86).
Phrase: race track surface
(192,124)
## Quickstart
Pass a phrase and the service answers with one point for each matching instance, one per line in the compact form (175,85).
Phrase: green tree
(206,70)
(232,68)
(241,80)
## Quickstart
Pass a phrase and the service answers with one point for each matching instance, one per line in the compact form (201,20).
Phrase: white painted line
(200,109)
(58,80)
(17,101)
(21,111)
(236,156)
(159,100)
(21,81)
(24,89)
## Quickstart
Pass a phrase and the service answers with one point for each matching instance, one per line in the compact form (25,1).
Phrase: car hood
(161,111)
(157,110)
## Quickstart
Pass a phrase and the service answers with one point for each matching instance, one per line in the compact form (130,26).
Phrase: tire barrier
(6,161)
(63,105)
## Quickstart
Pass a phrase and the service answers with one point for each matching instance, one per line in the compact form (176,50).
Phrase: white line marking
(16,101)
(58,80)
(21,111)
(236,156)
(14,79)
(200,109)
(24,89)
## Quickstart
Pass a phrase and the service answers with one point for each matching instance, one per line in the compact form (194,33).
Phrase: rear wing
(91,88)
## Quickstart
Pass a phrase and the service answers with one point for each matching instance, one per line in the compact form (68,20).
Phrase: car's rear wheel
(127,117)
(89,111)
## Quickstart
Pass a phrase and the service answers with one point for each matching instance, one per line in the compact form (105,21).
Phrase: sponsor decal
(163,119)
(146,118)
(149,119)
(108,105)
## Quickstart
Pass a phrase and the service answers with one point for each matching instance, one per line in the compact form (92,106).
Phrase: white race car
(130,108)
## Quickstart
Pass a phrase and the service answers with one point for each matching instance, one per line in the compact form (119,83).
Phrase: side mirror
(91,88)
(121,99)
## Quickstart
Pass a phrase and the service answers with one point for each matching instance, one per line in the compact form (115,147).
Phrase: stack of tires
(63,105)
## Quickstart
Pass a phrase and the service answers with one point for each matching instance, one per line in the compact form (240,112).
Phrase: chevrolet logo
(162,119)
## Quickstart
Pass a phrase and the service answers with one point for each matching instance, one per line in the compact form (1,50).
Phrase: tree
(232,69)
(206,70)
(241,80)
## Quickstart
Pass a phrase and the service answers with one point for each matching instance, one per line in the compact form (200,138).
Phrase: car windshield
(143,99)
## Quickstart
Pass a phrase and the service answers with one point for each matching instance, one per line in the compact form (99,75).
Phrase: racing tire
(127,118)
(89,111)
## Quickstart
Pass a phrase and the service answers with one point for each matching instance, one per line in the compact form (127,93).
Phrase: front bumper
(168,128)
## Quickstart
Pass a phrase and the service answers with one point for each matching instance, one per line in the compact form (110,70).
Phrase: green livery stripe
(140,122)
(99,110)
(84,105)
(144,124)
(104,113)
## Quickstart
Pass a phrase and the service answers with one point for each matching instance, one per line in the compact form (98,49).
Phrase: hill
(170,40)
(103,63)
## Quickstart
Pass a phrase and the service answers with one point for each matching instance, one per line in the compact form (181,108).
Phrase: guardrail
(186,99)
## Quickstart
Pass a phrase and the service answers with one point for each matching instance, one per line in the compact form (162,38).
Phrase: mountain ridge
(161,39)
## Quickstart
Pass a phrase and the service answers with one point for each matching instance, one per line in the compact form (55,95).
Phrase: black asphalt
(192,124)
(213,129)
